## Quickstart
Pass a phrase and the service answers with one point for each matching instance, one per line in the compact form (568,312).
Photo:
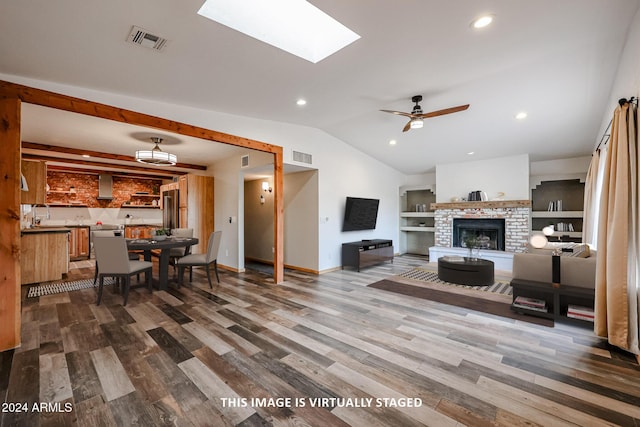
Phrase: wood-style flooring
(315,350)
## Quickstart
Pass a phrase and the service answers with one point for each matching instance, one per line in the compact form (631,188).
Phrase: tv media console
(365,253)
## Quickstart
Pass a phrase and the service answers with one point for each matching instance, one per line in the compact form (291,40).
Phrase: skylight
(295,26)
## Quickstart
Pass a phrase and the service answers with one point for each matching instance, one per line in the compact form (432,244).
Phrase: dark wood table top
(168,243)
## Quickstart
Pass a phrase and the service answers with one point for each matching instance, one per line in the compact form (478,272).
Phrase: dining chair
(109,233)
(112,255)
(203,260)
(175,253)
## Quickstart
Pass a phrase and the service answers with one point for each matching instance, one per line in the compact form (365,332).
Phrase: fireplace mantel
(494,204)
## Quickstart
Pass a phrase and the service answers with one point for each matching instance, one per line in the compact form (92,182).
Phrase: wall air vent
(142,37)
(302,157)
(244,161)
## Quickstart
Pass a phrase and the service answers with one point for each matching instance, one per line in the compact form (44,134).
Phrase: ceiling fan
(417,115)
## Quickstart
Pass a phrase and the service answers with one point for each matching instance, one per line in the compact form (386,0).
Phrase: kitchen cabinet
(183,190)
(44,254)
(199,210)
(79,243)
(35,172)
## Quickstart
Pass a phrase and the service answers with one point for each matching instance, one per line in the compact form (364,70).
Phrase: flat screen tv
(360,214)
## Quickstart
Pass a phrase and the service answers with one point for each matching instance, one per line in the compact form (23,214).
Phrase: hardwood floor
(316,350)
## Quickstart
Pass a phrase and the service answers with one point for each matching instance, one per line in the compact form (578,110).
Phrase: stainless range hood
(105,187)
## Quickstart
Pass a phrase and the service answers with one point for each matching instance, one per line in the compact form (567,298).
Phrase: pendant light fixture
(156,156)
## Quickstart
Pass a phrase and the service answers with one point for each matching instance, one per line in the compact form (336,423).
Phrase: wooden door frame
(11,120)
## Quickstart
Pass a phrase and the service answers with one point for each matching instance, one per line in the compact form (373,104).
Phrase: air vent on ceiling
(302,157)
(142,37)
(244,161)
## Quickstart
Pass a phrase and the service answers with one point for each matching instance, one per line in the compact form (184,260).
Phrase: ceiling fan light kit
(156,156)
(416,116)
(416,123)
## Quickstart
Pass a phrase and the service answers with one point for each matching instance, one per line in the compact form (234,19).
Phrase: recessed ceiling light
(86,156)
(521,115)
(393,142)
(291,25)
(301,102)
(471,153)
(482,21)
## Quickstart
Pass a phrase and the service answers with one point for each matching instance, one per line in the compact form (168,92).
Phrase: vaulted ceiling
(554,59)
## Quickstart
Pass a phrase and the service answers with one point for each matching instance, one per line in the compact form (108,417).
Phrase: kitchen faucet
(35,218)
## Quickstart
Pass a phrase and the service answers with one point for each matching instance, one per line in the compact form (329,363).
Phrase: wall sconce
(265,187)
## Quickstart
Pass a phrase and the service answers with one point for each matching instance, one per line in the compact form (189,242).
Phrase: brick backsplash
(86,189)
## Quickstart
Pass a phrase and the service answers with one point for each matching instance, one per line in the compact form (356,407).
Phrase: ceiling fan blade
(407,126)
(399,113)
(443,112)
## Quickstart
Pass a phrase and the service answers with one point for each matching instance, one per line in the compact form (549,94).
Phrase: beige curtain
(591,197)
(616,305)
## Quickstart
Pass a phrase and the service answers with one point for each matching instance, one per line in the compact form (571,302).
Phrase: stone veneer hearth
(516,213)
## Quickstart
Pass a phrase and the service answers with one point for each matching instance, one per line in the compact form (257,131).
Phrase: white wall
(553,170)
(258,221)
(300,225)
(508,175)
(343,170)
(627,81)
(300,220)
(229,204)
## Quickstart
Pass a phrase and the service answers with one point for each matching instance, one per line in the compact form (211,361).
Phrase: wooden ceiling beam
(85,171)
(97,154)
(164,173)
(95,109)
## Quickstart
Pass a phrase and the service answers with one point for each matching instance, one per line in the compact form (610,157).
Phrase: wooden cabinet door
(201,209)
(184,220)
(35,172)
(44,257)
(183,189)
(73,245)
(82,242)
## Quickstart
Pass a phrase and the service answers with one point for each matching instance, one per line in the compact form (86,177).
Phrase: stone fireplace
(514,214)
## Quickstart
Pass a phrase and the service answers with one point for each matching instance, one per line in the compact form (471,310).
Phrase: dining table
(165,246)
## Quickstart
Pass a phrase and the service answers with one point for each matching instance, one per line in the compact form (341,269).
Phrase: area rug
(425,275)
(59,287)
(469,297)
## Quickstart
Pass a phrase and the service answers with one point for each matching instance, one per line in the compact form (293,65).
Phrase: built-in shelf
(67,205)
(146,195)
(557,214)
(416,220)
(574,234)
(423,229)
(416,214)
(569,193)
(61,192)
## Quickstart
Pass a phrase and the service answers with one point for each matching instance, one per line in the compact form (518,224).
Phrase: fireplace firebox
(489,232)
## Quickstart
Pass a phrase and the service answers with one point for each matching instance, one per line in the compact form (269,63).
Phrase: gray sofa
(574,270)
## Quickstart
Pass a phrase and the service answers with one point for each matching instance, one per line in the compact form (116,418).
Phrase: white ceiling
(554,59)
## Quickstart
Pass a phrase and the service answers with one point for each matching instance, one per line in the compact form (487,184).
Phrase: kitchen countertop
(45,230)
